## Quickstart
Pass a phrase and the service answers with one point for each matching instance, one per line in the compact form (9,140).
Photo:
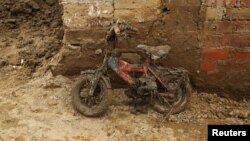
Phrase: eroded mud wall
(159,22)
(204,35)
(31,33)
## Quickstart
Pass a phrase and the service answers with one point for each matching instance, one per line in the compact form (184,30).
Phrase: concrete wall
(210,38)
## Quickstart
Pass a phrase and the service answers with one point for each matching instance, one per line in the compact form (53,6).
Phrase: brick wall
(225,52)
(210,38)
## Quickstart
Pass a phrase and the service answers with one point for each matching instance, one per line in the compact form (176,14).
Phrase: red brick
(236,40)
(211,40)
(220,3)
(138,15)
(207,66)
(179,3)
(210,26)
(230,3)
(211,3)
(219,26)
(241,55)
(213,14)
(134,4)
(242,27)
(232,65)
(227,26)
(216,75)
(215,53)
(237,14)
(245,3)
(227,3)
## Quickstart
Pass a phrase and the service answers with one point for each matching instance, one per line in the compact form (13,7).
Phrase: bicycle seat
(156,52)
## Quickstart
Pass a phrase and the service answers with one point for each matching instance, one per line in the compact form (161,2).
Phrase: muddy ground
(35,105)
(40,109)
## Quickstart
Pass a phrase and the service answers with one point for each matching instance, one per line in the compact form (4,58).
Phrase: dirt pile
(30,32)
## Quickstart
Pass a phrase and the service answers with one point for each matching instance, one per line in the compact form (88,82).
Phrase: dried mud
(41,109)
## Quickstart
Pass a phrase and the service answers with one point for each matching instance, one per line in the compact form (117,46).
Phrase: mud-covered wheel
(91,106)
(176,100)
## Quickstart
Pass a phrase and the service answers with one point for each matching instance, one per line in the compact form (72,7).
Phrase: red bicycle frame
(124,68)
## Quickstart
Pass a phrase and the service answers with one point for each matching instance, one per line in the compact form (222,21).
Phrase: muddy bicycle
(166,90)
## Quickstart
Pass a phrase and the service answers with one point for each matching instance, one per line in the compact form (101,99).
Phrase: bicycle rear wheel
(176,99)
